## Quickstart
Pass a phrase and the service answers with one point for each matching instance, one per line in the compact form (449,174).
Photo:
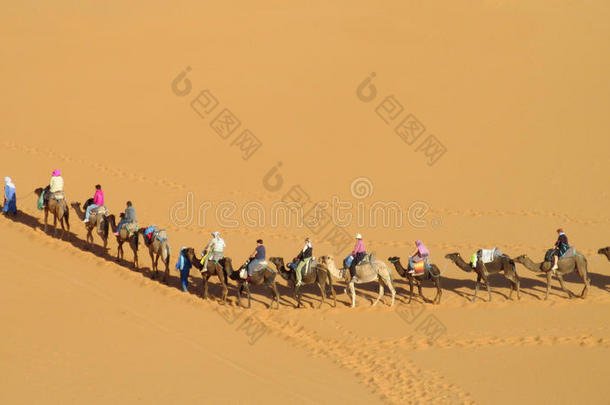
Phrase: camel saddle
(485,256)
(419,268)
(100,210)
(571,252)
(131,228)
(309,265)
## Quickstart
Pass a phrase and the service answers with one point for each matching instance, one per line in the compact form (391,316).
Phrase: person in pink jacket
(421,253)
(98,201)
(358,254)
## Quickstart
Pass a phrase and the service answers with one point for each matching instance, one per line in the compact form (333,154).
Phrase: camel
(157,249)
(433,273)
(500,264)
(221,270)
(264,276)
(123,237)
(365,273)
(97,222)
(60,212)
(566,265)
(317,274)
(605,251)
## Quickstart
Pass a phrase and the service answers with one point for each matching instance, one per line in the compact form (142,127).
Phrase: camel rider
(128,218)
(561,245)
(56,186)
(258,256)
(184,266)
(420,254)
(301,261)
(214,251)
(98,201)
(358,254)
(10,197)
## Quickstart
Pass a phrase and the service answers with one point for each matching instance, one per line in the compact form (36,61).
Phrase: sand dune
(516,95)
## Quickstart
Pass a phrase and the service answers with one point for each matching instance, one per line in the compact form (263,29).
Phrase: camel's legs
(275,296)
(476,287)
(204,277)
(585,279)
(548,285)
(410,289)
(353,294)
(239,290)
(54,225)
(439,291)
(332,290)
(322,287)
(488,287)
(562,284)
(248,292)
(157,264)
(392,290)
(380,291)
(419,290)
(46,217)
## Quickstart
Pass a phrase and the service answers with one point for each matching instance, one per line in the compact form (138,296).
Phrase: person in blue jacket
(10,197)
(184,265)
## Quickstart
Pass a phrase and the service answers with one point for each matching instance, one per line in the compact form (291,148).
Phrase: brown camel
(264,276)
(60,212)
(222,269)
(316,274)
(605,251)
(158,249)
(500,264)
(433,273)
(97,222)
(123,237)
(565,266)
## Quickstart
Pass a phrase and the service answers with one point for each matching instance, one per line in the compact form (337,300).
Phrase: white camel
(365,273)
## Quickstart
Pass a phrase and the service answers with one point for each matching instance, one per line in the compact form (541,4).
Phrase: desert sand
(131,96)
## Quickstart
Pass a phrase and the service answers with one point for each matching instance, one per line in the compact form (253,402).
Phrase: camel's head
(75,205)
(38,191)
(604,251)
(394,259)
(277,261)
(326,260)
(189,252)
(520,259)
(452,256)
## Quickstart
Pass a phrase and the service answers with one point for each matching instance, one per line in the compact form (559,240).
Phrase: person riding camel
(98,201)
(129,217)
(55,189)
(358,254)
(214,251)
(258,256)
(302,259)
(420,254)
(561,246)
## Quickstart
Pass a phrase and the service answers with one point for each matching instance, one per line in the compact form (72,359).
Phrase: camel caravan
(359,267)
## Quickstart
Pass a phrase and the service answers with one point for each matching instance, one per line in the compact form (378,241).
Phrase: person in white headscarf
(10,197)
(214,251)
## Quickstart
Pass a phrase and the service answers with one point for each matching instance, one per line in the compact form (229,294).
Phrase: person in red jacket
(98,201)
